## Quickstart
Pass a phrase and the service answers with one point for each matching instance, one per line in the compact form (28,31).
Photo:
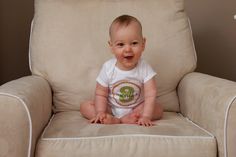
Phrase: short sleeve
(147,71)
(102,78)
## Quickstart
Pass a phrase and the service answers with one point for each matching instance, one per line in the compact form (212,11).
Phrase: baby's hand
(99,118)
(145,121)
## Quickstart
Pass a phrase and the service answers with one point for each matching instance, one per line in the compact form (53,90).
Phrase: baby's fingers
(140,123)
(149,124)
(145,123)
(98,119)
(95,120)
(92,120)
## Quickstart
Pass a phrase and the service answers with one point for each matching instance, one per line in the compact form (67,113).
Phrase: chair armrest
(25,108)
(210,102)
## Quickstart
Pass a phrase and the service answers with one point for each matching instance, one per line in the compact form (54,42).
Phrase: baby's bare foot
(111,120)
(130,118)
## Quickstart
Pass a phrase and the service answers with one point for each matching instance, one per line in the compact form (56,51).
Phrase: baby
(126,87)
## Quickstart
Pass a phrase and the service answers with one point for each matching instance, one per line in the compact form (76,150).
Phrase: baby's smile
(129,57)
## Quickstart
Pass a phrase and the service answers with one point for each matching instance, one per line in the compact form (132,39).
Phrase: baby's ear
(144,42)
(110,46)
(110,43)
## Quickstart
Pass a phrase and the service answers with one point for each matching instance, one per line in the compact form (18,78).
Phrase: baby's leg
(87,109)
(133,117)
(130,118)
(110,119)
(157,112)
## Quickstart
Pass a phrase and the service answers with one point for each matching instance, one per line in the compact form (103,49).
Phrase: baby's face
(127,44)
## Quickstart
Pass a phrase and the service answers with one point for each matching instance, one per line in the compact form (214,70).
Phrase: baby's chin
(129,66)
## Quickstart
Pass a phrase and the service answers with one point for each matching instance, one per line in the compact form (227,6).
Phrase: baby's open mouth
(128,57)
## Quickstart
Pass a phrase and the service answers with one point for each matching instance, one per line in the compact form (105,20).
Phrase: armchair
(39,114)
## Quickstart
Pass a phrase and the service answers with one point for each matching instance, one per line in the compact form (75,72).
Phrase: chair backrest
(69,44)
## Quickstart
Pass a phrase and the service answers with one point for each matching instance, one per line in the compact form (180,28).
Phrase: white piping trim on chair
(31,29)
(29,118)
(127,135)
(225,126)
(198,126)
(47,126)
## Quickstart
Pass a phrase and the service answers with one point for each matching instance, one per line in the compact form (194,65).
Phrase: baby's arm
(101,94)
(150,92)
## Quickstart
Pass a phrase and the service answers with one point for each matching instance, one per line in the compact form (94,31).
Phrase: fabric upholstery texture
(210,102)
(69,44)
(64,137)
(25,106)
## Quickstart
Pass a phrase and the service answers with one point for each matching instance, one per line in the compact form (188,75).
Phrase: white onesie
(125,87)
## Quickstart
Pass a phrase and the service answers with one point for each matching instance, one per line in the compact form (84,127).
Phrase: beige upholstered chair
(68,46)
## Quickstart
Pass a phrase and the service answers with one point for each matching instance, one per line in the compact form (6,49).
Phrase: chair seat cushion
(69,134)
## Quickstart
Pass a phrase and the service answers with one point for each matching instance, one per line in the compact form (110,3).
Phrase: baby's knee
(158,114)
(86,105)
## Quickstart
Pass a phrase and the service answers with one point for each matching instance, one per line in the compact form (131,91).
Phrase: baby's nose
(127,48)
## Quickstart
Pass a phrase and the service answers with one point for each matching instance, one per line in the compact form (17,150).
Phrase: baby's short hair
(125,20)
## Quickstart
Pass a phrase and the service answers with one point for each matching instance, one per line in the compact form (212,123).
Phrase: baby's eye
(135,43)
(120,44)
